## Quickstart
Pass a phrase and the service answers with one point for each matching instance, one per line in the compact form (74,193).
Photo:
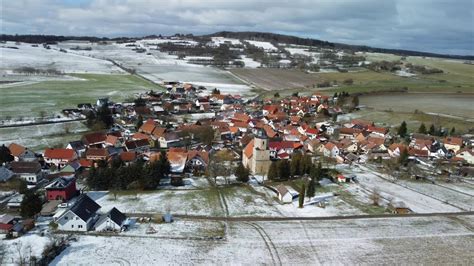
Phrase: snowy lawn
(366,241)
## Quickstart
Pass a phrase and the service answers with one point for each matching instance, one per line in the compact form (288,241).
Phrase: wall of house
(107,224)
(71,222)
(62,194)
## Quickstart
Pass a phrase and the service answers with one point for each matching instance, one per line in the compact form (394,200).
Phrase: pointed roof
(16,149)
(248,150)
(85,207)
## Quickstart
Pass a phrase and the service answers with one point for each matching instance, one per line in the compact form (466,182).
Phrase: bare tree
(375,197)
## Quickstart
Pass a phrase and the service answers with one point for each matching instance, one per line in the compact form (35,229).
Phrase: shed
(284,194)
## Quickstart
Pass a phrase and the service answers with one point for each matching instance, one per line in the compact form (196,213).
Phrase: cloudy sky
(442,26)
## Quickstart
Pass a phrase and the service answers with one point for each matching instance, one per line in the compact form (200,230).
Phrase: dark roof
(77,145)
(116,216)
(60,183)
(92,138)
(25,167)
(85,207)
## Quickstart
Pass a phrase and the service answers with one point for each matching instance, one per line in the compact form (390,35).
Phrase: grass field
(394,119)
(457,77)
(53,96)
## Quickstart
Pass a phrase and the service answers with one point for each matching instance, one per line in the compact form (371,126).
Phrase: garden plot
(365,241)
(38,137)
(462,200)
(39,57)
(179,228)
(417,202)
(193,202)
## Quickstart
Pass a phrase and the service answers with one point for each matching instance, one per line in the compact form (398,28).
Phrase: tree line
(119,176)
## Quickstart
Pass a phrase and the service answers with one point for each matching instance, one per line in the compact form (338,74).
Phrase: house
(453,143)
(467,155)
(128,157)
(28,171)
(396,149)
(284,194)
(77,146)
(6,223)
(95,139)
(330,150)
(111,221)
(169,139)
(5,174)
(59,157)
(177,159)
(62,188)
(16,150)
(256,155)
(139,146)
(80,217)
(97,154)
(197,160)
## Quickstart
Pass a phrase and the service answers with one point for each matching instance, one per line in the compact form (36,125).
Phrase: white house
(467,155)
(331,150)
(111,221)
(80,217)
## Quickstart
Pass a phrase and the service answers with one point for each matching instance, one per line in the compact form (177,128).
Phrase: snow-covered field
(265,45)
(38,137)
(431,240)
(39,57)
(159,67)
(417,196)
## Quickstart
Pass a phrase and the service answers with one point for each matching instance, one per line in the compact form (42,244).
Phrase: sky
(440,26)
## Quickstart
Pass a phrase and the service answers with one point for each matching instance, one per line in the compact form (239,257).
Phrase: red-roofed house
(331,150)
(59,157)
(453,143)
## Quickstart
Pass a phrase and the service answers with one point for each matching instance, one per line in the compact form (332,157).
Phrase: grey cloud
(436,26)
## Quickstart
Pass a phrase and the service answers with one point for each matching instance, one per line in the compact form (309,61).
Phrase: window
(72,226)
(79,226)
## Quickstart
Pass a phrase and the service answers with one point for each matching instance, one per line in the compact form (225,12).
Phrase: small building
(80,217)
(6,223)
(62,188)
(284,194)
(111,221)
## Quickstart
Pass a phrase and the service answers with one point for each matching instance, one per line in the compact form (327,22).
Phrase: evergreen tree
(5,155)
(295,164)
(273,171)
(311,188)
(165,164)
(284,170)
(453,131)
(403,159)
(30,205)
(22,186)
(139,122)
(104,115)
(276,95)
(422,129)
(316,172)
(305,164)
(242,173)
(432,130)
(402,130)
(355,100)
(301,196)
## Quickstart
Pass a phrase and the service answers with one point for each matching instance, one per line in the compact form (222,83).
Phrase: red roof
(62,154)
(312,131)
(248,150)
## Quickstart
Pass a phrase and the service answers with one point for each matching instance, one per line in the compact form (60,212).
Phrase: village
(291,149)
